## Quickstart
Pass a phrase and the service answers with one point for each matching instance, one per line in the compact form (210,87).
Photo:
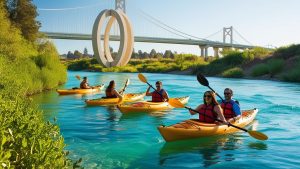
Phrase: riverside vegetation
(279,64)
(28,65)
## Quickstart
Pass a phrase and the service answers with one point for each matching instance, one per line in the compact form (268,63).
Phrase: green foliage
(22,13)
(287,52)
(294,74)
(259,70)
(235,72)
(275,66)
(26,140)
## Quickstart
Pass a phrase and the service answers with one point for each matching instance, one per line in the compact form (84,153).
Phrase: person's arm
(165,96)
(148,93)
(198,108)
(236,108)
(86,86)
(219,112)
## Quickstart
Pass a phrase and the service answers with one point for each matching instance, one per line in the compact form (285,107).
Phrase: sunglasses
(227,93)
(208,96)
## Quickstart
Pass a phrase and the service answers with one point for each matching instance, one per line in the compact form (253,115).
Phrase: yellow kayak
(79,91)
(192,128)
(130,97)
(148,106)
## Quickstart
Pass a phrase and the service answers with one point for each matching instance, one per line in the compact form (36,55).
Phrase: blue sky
(262,22)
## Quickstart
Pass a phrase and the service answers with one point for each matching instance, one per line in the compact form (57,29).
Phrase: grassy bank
(26,67)
(180,62)
(258,63)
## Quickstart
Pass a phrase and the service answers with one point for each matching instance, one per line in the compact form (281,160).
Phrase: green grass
(235,72)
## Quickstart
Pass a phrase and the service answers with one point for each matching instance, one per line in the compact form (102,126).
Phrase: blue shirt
(235,107)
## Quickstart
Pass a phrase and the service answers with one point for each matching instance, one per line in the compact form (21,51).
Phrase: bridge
(203,43)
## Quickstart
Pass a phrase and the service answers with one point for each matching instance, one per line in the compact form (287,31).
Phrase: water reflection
(212,150)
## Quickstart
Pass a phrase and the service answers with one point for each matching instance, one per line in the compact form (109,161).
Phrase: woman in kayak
(111,91)
(159,95)
(210,110)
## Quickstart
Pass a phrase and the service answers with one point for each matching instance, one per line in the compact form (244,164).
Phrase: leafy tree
(22,13)
(152,53)
(168,54)
(77,54)
(70,55)
(85,52)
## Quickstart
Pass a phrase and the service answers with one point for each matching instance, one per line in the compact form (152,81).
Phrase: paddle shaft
(216,93)
(155,90)
(229,124)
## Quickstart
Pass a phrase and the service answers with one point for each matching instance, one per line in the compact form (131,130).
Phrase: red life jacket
(228,110)
(156,97)
(207,114)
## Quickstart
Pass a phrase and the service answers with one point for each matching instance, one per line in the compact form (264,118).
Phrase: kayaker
(111,92)
(231,108)
(162,97)
(84,84)
(210,110)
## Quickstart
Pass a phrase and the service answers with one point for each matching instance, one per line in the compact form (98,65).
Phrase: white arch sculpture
(102,53)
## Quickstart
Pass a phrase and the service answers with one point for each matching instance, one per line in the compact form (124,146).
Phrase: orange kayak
(79,91)
(192,128)
(130,97)
(148,106)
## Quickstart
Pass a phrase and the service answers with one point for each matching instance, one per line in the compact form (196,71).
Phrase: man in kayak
(159,95)
(231,108)
(210,110)
(84,84)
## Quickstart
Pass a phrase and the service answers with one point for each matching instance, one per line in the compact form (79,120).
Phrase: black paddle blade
(202,79)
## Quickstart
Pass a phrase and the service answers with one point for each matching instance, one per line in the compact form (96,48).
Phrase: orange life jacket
(228,110)
(207,114)
(157,97)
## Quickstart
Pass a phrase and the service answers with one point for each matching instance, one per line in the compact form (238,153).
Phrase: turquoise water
(105,138)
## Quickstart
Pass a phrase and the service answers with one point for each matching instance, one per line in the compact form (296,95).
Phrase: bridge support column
(202,50)
(216,52)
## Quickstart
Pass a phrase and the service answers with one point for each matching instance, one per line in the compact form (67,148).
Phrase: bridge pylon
(228,32)
(120,5)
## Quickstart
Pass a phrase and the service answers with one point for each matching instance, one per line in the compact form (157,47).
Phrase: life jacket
(109,94)
(157,97)
(207,114)
(228,110)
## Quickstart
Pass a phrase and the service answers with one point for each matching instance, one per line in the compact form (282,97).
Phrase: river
(105,138)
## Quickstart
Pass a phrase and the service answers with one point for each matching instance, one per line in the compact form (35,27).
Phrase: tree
(22,13)
(77,54)
(85,52)
(70,55)
(140,53)
(152,53)
(168,54)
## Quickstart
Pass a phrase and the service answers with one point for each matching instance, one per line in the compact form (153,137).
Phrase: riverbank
(282,64)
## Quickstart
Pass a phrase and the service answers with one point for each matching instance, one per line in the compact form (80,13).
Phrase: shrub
(259,70)
(287,52)
(275,66)
(293,75)
(235,72)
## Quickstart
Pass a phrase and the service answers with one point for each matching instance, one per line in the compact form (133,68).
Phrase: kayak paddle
(125,86)
(78,77)
(202,80)
(144,80)
(255,134)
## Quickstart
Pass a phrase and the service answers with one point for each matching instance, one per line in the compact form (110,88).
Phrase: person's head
(85,79)
(112,84)
(158,85)
(209,97)
(228,93)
